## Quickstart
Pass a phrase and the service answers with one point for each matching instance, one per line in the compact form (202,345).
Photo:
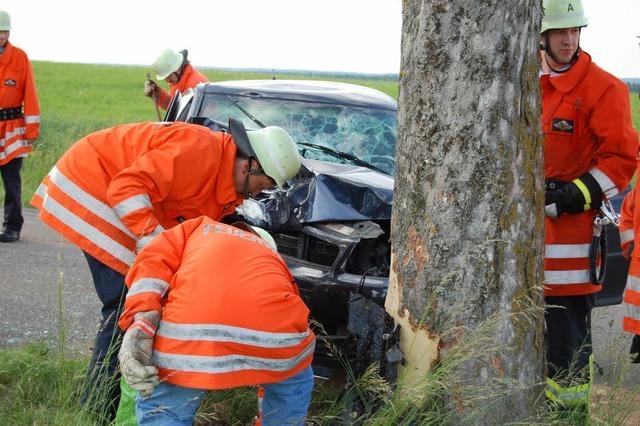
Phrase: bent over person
(19,126)
(175,69)
(213,307)
(590,150)
(115,189)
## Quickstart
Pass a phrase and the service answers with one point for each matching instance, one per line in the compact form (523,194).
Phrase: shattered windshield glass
(369,134)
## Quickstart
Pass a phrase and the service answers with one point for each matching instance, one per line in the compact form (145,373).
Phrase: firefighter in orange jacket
(115,189)
(211,307)
(590,151)
(175,69)
(19,126)
(629,228)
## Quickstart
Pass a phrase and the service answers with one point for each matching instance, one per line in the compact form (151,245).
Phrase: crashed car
(332,223)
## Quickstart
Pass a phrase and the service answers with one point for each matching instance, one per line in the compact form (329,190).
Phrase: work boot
(9,236)
(634,352)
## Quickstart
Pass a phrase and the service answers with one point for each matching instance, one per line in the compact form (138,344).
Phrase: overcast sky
(326,35)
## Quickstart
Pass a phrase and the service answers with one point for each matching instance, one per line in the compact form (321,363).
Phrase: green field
(77,99)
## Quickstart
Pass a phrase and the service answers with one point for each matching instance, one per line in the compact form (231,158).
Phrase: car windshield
(366,133)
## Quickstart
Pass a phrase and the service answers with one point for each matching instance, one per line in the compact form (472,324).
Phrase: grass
(39,385)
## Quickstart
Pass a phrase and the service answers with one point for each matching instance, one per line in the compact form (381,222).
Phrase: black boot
(9,236)
(634,352)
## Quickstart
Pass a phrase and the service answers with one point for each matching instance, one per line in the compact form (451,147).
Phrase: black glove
(577,196)
(635,349)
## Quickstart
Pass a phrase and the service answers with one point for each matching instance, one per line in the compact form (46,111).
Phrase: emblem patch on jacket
(9,82)
(562,125)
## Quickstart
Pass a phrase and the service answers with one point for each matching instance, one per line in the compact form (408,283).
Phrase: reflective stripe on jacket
(631,296)
(626,220)
(578,109)
(120,184)
(17,90)
(190,78)
(231,312)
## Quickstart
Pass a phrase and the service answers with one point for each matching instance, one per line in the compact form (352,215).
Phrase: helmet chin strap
(548,52)
(246,194)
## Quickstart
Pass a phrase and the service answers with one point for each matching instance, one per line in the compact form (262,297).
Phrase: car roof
(305,90)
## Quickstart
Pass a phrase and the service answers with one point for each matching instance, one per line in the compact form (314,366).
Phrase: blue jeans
(102,381)
(285,403)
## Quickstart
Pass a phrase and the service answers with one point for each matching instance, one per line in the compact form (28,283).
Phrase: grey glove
(150,88)
(136,353)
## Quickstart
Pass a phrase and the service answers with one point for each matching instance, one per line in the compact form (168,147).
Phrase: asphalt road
(47,292)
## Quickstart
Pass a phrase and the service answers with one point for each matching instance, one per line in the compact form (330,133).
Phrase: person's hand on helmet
(150,88)
(136,353)
(577,196)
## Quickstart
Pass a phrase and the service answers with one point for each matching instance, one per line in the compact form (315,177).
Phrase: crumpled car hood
(324,192)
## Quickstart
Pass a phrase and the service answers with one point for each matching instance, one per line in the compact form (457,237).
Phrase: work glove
(634,352)
(136,353)
(577,196)
(150,88)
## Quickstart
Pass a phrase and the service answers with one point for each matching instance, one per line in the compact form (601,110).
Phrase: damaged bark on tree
(467,226)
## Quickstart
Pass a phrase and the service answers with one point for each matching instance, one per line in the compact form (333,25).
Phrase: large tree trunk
(467,227)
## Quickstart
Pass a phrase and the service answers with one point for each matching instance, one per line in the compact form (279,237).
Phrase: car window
(368,133)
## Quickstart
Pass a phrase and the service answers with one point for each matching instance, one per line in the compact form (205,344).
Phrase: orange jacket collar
(566,82)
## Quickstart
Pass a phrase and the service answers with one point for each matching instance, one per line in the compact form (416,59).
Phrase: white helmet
(272,146)
(262,233)
(560,14)
(5,21)
(167,63)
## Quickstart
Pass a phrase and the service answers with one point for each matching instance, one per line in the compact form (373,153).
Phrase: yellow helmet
(5,21)
(167,63)
(559,14)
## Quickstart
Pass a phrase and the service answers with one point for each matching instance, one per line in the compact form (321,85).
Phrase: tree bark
(467,226)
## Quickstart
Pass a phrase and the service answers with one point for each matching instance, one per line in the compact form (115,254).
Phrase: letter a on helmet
(559,14)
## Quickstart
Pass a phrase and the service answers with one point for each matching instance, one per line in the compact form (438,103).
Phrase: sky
(322,35)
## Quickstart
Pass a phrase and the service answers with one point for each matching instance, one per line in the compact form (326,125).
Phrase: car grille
(321,252)
(307,248)
(287,244)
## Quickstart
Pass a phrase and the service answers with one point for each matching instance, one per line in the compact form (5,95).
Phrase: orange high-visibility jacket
(231,312)
(120,184)
(627,233)
(586,120)
(17,90)
(190,78)
(631,299)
